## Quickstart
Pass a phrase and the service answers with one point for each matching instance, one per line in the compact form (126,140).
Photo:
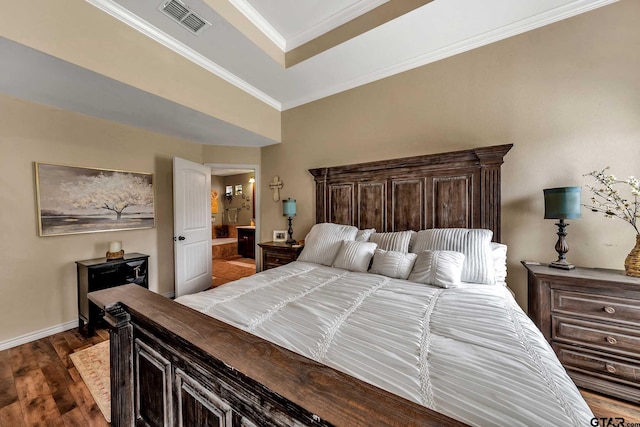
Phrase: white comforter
(470,353)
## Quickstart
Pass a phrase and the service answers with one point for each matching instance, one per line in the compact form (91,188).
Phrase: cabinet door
(135,271)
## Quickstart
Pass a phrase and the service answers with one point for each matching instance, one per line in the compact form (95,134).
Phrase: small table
(276,254)
(100,273)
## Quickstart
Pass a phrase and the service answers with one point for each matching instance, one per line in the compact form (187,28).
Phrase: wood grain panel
(451,202)
(153,386)
(199,407)
(371,205)
(406,205)
(341,203)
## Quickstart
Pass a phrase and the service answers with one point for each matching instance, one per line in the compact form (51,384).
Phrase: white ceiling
(291,23)
(434,31)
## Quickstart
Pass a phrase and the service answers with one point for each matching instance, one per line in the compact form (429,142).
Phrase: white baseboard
(170,295)
(33,336)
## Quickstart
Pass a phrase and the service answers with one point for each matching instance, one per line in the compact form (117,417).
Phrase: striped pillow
(363,235)
(396,265)
(475,244)
(323,242)
(354,256)
(439,268)
(396,241)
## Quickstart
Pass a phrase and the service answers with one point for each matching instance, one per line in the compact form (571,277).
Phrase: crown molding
(318,29)
(123,15)
(563,12)
(332,22)
(262,24)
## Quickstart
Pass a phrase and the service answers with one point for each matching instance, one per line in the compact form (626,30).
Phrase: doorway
(234,221)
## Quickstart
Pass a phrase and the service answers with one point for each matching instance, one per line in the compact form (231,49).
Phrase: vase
(632,262)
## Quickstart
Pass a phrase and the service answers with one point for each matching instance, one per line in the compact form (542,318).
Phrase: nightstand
(276,254)
(591,318)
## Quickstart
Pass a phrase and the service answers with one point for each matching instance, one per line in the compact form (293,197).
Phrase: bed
(388,327)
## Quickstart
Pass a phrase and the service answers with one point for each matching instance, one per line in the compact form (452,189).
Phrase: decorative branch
(610,202)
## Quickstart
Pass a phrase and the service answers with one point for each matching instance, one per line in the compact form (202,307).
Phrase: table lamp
(562,203)
(289,210)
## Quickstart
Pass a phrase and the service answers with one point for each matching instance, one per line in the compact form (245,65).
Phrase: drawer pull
(610,310)
(611,369)
(612,340)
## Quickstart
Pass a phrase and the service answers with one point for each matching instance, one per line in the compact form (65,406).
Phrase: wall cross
(275,186)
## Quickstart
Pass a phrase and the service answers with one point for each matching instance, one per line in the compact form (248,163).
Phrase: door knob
(179,238)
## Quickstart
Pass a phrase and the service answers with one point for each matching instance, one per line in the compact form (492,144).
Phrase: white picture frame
(279,235)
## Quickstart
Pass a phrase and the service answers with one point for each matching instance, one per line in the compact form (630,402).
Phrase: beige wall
(38,279)
(565,95)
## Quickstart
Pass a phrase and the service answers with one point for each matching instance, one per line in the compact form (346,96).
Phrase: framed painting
(74,200)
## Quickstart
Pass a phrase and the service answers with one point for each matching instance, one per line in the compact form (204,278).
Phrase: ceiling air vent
(180,13)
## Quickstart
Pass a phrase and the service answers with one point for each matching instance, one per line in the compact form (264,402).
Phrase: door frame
(257,175)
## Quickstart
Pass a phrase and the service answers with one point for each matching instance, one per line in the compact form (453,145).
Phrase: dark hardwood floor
(39,386)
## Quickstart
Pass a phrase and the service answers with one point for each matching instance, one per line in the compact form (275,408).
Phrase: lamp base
(563,264)
(290,240)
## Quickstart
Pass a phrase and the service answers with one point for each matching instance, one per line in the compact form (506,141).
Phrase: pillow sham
(499,254)
(473,243)
(363,235)
(354,256)
(396,265)
(438,268)
(322,243)
(393,241)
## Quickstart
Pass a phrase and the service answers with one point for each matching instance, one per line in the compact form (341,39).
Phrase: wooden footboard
(174,366)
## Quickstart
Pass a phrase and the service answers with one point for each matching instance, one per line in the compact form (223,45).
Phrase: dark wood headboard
(455,189)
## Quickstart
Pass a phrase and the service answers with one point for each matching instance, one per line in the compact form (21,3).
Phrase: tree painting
(114,192)
(83,200)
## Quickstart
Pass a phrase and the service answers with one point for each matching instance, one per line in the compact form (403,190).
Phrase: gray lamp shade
(289,207)
(562,203)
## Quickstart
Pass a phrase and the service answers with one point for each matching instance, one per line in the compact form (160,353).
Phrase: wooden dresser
(591,318)
(275,254)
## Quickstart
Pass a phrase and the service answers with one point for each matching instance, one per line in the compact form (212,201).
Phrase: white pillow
(363,235)
(355,256)
(439,268)
(393,241)
(475,244)
(499,254)
(396,265)
(322,243)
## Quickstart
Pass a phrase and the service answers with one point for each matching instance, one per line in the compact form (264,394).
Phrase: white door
(191,226)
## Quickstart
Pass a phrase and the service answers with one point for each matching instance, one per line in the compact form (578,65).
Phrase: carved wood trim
(121,361)
(145,397)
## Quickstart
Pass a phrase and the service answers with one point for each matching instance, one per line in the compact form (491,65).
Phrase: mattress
(468,352)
